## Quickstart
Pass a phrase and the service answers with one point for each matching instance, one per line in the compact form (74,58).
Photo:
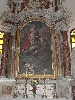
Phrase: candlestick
(15,89)
(44,94)
(25,94)
(55,93)
(26,73)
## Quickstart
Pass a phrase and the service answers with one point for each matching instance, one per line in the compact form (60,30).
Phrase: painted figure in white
(31,35)
(29,68)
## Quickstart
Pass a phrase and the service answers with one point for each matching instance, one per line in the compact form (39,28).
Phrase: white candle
(44,74)
(54,74)
(26,73)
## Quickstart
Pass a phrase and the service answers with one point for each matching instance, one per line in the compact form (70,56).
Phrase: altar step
(20,98)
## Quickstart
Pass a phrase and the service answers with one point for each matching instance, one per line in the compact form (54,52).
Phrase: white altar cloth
(21,98)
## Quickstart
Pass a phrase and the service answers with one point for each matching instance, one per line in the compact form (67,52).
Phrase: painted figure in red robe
(29,39)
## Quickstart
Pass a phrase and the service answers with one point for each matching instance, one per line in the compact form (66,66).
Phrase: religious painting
(35,55)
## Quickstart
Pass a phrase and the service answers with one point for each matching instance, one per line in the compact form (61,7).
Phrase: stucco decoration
(21,10)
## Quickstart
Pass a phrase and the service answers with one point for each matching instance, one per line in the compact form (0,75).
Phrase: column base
(69,78)
(60,77)
(2,76)
(6,87)
(65,87)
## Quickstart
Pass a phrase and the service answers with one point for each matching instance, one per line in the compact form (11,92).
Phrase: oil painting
(35,55)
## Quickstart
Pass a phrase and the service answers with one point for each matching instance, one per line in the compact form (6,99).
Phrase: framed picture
(35,55)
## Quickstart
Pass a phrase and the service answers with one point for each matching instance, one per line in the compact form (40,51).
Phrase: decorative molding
(60,18)
(9,28)
(6,91)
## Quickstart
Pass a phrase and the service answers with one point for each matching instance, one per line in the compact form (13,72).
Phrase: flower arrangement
(34,84)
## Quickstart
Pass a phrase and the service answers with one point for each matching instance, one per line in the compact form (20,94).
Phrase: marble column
(0,60)
(4,55)
(59,54)
(12,57)
(57,59)
(67,61)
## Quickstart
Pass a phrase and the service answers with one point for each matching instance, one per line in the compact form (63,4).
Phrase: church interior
(37,49)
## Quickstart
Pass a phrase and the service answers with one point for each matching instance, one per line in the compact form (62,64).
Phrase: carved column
(56,46)
(4,55)
(67,61)
(13,56)
(59,54)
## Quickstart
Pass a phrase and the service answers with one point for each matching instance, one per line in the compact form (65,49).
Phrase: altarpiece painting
(35,54)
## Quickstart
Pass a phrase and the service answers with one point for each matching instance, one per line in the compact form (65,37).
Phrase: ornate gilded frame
(52,76)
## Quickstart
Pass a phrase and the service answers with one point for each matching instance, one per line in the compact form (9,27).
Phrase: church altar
(36,41)
(8,87)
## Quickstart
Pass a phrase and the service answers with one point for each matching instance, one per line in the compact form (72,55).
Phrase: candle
(44,74)
(26,73)
(54,74)
(16,73)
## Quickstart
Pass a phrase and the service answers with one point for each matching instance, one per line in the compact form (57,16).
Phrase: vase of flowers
(34,84)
